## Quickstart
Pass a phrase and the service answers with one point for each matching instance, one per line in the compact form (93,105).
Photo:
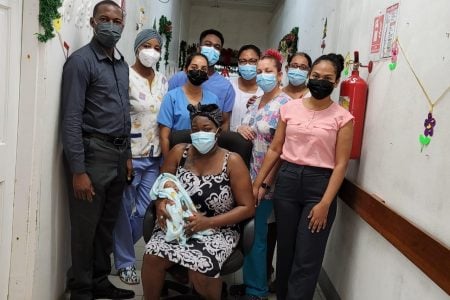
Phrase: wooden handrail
(432,257)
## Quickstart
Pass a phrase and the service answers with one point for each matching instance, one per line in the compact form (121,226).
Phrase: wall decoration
(48,11)
(165,29)
(289,43)
(324,35)
(83,13)
(394,55)
(141,18)
(430,121)
(183,54)
(347,62)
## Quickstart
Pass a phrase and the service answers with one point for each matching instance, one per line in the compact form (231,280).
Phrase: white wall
(41,246)
(239,27)
(361,263)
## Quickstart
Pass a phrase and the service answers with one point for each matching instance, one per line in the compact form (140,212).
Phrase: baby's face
(170,184)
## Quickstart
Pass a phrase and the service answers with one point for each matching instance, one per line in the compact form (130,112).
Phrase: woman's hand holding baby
(161,212)
(197,222)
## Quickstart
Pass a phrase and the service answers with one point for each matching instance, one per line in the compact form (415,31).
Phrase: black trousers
(299,251)
(92,223)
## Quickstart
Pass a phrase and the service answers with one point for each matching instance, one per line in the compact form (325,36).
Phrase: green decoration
(288,44)
(48,11)
(424,140)
(183,53)
(154,24)
(165,28)
(392,66)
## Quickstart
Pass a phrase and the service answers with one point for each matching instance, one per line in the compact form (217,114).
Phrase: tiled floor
(230,279)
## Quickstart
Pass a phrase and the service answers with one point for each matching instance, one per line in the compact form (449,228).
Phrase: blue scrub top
(173,112)
(216,84)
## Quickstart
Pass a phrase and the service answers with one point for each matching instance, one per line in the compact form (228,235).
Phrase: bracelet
(265,186)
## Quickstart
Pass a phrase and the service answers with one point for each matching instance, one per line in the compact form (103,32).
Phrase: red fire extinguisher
(353,97)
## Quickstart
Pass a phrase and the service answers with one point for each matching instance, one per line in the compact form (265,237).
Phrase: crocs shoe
(128,275)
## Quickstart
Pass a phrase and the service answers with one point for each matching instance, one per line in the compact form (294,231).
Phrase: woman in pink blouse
(313,139)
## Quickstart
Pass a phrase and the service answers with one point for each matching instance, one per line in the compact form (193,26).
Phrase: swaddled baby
(168,186)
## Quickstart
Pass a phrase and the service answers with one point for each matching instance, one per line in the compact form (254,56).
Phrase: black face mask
(320,89)
(197,77)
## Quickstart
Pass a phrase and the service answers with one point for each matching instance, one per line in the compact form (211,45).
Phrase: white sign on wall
(390,29)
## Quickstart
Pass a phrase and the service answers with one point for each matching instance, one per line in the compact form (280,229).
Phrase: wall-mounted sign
(377,34)
(390,29)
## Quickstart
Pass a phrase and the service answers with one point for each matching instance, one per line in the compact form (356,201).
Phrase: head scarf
(145,35)
(211,111)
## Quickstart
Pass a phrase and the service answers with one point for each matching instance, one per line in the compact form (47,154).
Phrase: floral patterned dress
(212,196)
(263,121)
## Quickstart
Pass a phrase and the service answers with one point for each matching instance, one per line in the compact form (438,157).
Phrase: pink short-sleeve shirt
(311,135)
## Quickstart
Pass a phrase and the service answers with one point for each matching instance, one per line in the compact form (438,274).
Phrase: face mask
(320,89)
(203,141)
(149,57)
(108,34)
(296,76)
(211,54)
(267,82)
(197,77)
(248,72)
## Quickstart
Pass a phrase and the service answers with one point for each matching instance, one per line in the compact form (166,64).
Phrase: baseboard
(327,287)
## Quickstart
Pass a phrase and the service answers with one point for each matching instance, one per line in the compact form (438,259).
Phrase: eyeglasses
(301,67)
(252,61)
(107,20)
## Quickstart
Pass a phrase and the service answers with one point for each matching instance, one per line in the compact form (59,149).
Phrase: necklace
(430,121)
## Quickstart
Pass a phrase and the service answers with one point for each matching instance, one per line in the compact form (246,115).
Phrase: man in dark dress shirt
(95,133)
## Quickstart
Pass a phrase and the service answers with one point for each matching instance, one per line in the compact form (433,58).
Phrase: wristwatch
(265,186)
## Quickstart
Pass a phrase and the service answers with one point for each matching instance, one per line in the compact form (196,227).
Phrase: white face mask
(149,57)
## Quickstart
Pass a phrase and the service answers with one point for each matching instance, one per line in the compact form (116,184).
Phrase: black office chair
(234,142)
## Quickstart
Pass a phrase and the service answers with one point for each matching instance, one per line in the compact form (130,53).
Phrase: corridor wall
(360,263)
(238,26)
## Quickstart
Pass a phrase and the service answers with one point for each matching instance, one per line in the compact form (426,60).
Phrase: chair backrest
(229,140)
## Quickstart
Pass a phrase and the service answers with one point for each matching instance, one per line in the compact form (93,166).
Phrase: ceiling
(266,5)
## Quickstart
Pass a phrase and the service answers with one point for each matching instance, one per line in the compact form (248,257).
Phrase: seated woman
(218,183)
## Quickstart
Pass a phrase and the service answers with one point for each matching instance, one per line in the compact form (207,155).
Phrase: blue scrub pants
(255,269)
(136,198)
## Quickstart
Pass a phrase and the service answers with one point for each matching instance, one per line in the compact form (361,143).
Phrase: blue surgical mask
(203,141)
(296,76)
(211,54)
(266,81)
(248,72)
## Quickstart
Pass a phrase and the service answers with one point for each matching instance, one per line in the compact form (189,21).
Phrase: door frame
(25,218)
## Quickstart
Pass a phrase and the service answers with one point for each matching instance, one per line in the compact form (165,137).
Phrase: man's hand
(82,187)
(129,169)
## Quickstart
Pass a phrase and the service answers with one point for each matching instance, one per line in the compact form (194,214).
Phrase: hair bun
(340,60)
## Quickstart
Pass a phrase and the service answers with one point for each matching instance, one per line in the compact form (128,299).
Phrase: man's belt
(116,141)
